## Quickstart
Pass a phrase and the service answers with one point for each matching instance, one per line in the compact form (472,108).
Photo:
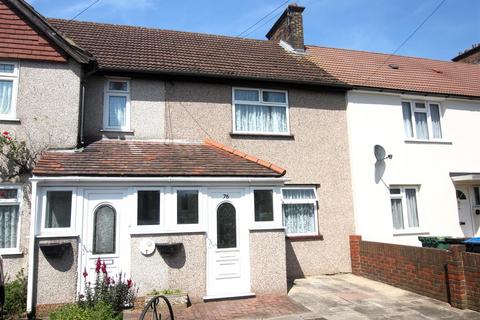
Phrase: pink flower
(104,268)
(85,274)
(107,280)
(5,133)
(129,282)
(81,296)
(98,265)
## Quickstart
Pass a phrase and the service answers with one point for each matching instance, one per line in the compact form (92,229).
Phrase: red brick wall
(472,279)
(18,40)
(452,276)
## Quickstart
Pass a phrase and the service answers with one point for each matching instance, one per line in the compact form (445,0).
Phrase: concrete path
(346,296)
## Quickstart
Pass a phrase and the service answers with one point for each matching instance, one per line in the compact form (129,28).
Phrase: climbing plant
(19,159)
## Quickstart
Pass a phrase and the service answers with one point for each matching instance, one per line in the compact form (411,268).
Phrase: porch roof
(133,158)
(471,177)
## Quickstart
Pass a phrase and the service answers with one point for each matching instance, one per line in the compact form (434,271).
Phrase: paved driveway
(353,298)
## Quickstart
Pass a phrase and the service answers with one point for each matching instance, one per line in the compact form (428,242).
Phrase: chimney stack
(289,28)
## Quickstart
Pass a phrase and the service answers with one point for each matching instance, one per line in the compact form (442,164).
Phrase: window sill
(57,235)
(10,120)
(11,252)
(409,232)
(117,131)
(304,238)
(283,136)
(269,228)
(420,141)
(140,231)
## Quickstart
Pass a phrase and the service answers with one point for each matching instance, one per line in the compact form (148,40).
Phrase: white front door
(464,211)
(105,233)
(228,266)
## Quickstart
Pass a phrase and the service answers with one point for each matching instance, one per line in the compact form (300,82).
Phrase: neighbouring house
(425,113)
(471,55)
(211,164)
(40,75)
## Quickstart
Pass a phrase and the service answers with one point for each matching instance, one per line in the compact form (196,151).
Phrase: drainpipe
(31,247)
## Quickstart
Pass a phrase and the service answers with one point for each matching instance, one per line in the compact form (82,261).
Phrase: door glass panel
(104,230)
(226,226)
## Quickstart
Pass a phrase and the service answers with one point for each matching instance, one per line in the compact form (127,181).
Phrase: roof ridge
(381,53)
(158,29)
(241,154)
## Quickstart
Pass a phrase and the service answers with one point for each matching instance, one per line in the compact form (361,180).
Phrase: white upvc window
(404,205)
(58,211)
(8,90)
(422,120)
(300,211)
(116,111)
(150,203)
(10,203)
(260,111)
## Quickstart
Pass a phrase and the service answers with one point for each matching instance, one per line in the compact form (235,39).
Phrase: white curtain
(299,218)
(294,194)
(407,119)
(412,207)
(256,118)
(5,96)
(8,226)
(421,125)
(117,106)
(397,214)
(435,115)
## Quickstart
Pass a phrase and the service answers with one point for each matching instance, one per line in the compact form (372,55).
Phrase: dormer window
(116,114)
(8,90)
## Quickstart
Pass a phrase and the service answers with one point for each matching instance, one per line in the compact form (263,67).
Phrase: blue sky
(372,25)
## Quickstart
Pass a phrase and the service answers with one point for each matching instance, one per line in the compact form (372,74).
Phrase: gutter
(421,93)
(31,248)
(80,179)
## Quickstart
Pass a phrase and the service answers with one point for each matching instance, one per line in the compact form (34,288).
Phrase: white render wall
(376,118)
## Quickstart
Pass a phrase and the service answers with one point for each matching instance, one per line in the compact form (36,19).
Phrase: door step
(229,296)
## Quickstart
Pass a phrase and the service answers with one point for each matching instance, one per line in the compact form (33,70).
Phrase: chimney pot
(289,27)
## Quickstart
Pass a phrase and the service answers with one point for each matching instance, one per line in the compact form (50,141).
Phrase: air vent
(394,66)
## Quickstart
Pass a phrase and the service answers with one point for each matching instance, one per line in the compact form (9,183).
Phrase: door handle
(462,223)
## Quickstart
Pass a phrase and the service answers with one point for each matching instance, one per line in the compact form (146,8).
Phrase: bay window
(148,207)
(116,114)
(404,207)
(422,120)
(187,207)
(263,203)
(300,211)
(10,198)
(8,89)
(259,111)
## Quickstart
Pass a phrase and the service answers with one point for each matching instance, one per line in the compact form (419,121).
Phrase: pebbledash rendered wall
(47,109)
(316,153)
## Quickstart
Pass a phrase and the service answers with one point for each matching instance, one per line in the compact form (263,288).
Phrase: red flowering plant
(119,292)
(20,159)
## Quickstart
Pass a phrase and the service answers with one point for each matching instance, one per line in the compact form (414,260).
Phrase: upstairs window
(422,120)
(259,111)
(8,89)
(116,115)
(9,219)
(404,208)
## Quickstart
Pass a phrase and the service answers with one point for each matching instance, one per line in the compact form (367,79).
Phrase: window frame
(14,77)
(118,93)
(44,231)
(301,201)
(188,227)
(273,205)
(427,111)
(260,102)
(9,202)
(402,196)
(154,228)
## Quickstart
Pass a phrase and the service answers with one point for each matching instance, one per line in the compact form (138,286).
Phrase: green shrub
(100,311)
(15,296)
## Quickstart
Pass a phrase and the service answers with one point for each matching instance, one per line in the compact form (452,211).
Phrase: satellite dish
(147,247)
(380,153)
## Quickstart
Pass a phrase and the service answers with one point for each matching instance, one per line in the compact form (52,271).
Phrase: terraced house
(220,166)
(228,155)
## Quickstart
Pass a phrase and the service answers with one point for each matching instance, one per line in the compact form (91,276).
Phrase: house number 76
(226,196)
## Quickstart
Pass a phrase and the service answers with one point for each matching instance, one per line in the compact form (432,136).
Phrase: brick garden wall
(449,275)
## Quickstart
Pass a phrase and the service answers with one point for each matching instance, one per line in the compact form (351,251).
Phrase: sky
(371,25)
